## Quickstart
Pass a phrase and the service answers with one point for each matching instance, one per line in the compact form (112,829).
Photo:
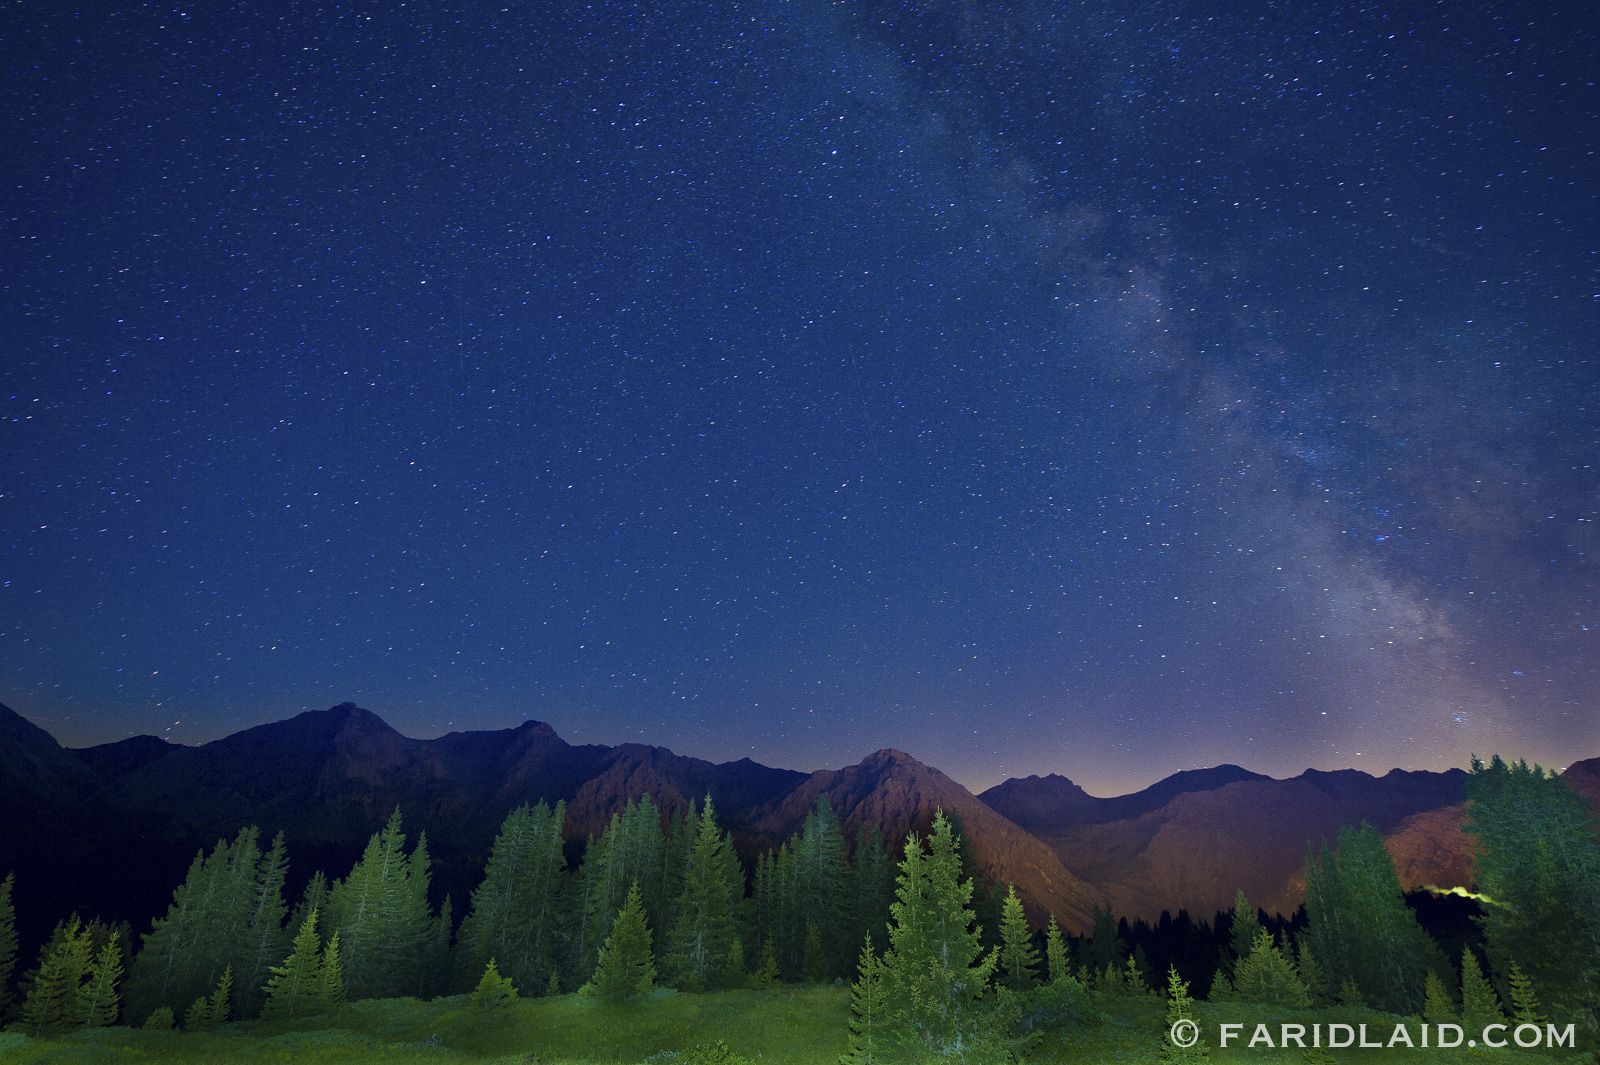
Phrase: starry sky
(1103,388)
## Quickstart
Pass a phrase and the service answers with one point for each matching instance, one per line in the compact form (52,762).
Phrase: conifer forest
(657,944)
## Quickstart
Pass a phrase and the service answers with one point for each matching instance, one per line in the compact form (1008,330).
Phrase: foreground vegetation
(938,984)
(794,1025)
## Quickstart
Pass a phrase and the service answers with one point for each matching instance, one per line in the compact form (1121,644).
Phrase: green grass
(795,1025)
(803,1025)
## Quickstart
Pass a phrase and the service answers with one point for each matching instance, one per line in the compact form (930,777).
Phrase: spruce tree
(985,902)
(934,975)
(514,910)
(330,977)
(381,913)
(1524,1002)
(197,1018)
(290,990)
(627,852)
(97,997)
(159,1021)
(493,990)
(871,883)
(1018,958)
(867,1011)
(1133,982)
(813,880)
(209,1011)
(52,1002)
(1311,974)
(221,1004)
(765,978)
(1538,857)
(1104,948)
(1266,976)
(1480,1006)
(1180,1007)
(734,972)
(699,941)
(1246,927)
(1438,1007)
(222,916)
(813,968)
(1362,930)
(315,897)
(8,942)
(1055,950)
(265,938)
(626,967)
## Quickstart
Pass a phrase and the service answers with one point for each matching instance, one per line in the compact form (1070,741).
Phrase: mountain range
(109,830)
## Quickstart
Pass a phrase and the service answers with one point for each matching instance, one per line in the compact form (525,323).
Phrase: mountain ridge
(123,819)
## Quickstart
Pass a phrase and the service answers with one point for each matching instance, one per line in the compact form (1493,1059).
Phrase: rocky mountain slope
(109,830)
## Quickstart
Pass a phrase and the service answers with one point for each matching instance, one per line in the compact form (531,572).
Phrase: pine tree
(1109,981)
(1350,993)
(1221,988)
(627,852)
(437,960)
(1480,1006)
(315,898)
(871,882)
(1180,1007)
(553,988)
(1133,983)
(1264,975)
(381,914)
(290,990)
(197,1018)
(8,942)
(97,998)
(1538,858)
(813,882)
(1524,1003)
(699,941)
(934,976)
(221,1005)
(207,1012)
(1103,947)
(159,1021)
(52,1002)
(515,909)
(1018,958)
(1438,1007)
(985,902)
(1246,927)
(866,1011)
(329,983)
(765,978)
(1311,974)
(734,973)
(1055,949)
(264,938)
(626,967)
(812,967)
(225,914)
(493,990)
(1361,928)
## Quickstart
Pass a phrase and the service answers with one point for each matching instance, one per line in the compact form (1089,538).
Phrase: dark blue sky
(1104,389)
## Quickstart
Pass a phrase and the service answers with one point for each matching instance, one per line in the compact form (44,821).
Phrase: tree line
(231,947)
(665,900)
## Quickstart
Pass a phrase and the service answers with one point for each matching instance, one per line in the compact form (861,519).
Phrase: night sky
(1106,389)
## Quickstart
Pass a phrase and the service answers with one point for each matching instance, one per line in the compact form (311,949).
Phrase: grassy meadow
(792,1025)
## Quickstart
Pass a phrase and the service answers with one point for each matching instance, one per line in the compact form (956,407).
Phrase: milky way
(1096,389)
